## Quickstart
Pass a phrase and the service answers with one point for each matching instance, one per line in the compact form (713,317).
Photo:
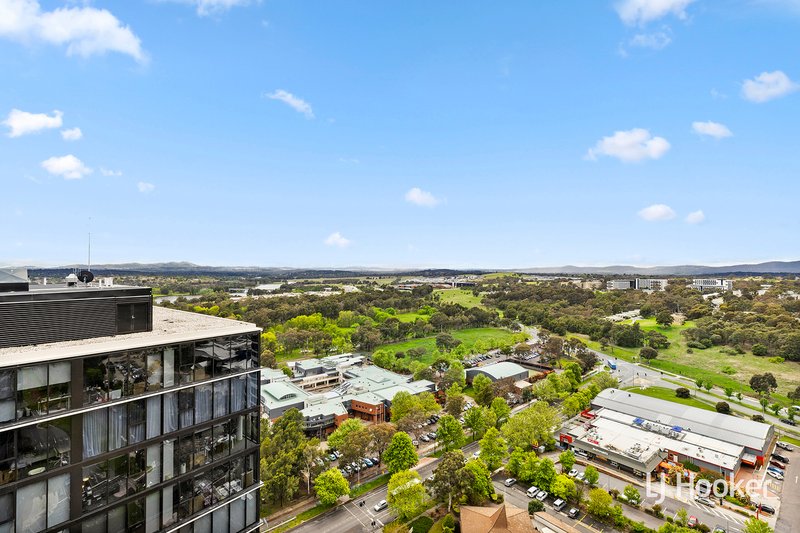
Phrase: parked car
(425,438)
(510,481)
(767,509)
(542,496)
(380,506)
(375,460)
(475,455)
(777,464)
(415,442)
(573,473)
(704,500)
(580,476)
(573,513)
(776,475)
(780,458)
(337,453)
(581,453)
(559,504)
(368,463)
(532,492)
(784,446)
(332,457)
(788,421)
(775,469)
(692,522)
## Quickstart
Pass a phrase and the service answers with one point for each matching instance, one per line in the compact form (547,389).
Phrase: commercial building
(620,284)
(650,284)
(712,284)
(118,416)
(640,434)
(498,371)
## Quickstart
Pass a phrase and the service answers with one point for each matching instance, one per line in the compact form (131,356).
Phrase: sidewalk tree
(493,449)
(599,503)
(604,380)
(381,436)
(754,525)
(355,446)
(450,480)
(410,410)
(481,487)
(515,461)
(764,384)
(682,392)
(535,506)
(474,420)
(567,460)
(330,485)
(564,487)
(776,408)
(400,454)
(545,474)
(531,427)
(723,407)
(405,493)
(591,476)
(450,432)
(632,495)
(312,454)
(337,438)
(501,410)
(455,400)
(484,389)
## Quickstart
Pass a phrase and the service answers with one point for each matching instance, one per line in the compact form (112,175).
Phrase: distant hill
(771,267)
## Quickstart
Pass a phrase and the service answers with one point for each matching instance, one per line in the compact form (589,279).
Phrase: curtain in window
(202,403)
(57,500)
(220,398)
(153,417)
(170,412)
(252,390)
(95,432)
(117,426)
(238,393)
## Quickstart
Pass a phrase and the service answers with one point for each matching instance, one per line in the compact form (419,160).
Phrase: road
(790,495)
(355,518)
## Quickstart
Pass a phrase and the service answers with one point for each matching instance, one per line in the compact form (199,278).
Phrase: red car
(692,521)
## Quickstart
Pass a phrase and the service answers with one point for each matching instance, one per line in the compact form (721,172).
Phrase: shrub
(682,392)
(614,493)
(535,506)
(449,521)
(695,344)
(688,465)
(657,511)
(703,528)
(760,350)
(776,360)
(727,369)
(723,407)
(757,418)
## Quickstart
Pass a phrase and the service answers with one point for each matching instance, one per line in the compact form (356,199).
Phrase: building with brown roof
(503,519)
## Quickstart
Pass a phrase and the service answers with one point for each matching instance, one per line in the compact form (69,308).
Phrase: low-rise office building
(499,371)
(712,284)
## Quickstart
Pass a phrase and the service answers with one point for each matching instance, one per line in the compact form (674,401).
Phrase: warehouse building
(498,371)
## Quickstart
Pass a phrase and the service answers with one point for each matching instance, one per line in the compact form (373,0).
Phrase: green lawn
(422,524)
(668,394)
(459,296)
(467,336)
(410,317)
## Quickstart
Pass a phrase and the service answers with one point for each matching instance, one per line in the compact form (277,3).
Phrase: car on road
(531,492)
(692,522)
(559,504)
(780,458)
(573,512)
(380,506)
(542,496)
(510,481)
(704,500)
(785,446)
(767,509)
(788,421)
(573,473)
(581,476)
(776,475)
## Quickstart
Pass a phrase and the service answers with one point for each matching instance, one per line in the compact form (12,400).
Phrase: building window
(95,432)
(32,507)
(7,513)
(95,380)
(95,486)
(7,393)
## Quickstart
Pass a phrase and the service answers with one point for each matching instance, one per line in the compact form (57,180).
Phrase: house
(503,519)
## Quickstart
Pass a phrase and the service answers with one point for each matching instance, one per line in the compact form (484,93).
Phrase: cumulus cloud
(696,217)
(629,146)
(22,123)
(633,12)
(421,198)
(110,173)
(73,134)
(338,240)
(68,166)
(84,30)
(768,86)
(657,212)
(145,187)
(656,40)
(712,129)
(298,104)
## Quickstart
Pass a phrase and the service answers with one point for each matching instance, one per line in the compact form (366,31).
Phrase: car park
(380,506)
(785,446)
(510,481)
(704,500)
(542,496)
(573,473)
(776,475)
(559,504)
(573,512)
(532,492)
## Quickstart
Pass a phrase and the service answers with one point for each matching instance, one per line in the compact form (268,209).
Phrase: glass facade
(133,441)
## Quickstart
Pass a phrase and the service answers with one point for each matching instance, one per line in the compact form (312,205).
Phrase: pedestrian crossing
(731,517)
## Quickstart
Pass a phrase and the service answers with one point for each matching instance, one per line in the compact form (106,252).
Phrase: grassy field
(467,336)
(708,364)
(459,296)
(663,393)
(410,317)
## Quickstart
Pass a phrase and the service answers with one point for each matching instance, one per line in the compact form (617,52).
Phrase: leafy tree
(682,392)
(604,380)
(450,432)
(728,392)
(400,455)
(381,436)
(493,449)
(312,453)
(764,383)
(446,342)
(410,410)
(564,487)
(330,485)
(599,503)
(282,446)
(664,318)
(475,421)
(545,474)
(567,460)
(481,487)
(337,438)
(760,350)
(535,506)
(591,476)
(573,371)
(531,427)
(682,517)
(501,410)
(754,525)
(515,461)
(776,408)
(657,340)
(405,493)
(699,383)
(708,386)
(648,353)
(632,495)
(764,401)
(455,400)
(723,407)
(454,374)
(355,446)
(450,480)
(484,390)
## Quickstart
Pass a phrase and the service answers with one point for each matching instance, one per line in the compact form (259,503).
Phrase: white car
(532,492)
(573,473)
(704,501)
(580,476)
(510,481)
(775,474)
(542,496)
(380,506)
(476,455)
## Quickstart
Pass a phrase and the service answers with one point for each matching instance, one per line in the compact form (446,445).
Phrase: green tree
(599,503)
(754,525)
(764,383)
(450,432)
(776,408)
(723,407)
(474,420)
(455,400)
(493,449)
(450,480)
(535,506)
(632,495)
(664,318)
(484,389)
(481,487)
(545,474)
(454,374)
(648,353)
(337,438)
(564,487)
(591,476)
(330,485)
(312,454)
(381,436)
(400,455)
(501,410)
(531,427)
(567,460)
(699,383)
(604,380)
(405,493)
(282,446)
(764,401)
(682,517)
(728,392)
(355,447)
(515,461)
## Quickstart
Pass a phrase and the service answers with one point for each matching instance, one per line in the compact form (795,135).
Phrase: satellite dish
(85,276)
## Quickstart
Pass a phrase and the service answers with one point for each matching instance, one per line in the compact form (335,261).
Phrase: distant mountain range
(186,268)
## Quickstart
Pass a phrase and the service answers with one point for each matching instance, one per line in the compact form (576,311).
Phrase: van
(532,492)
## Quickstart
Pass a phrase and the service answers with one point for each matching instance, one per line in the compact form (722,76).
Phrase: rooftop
(501,370)
(169,327)
(281,393)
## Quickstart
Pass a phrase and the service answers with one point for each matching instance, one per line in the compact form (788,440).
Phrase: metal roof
(501,370)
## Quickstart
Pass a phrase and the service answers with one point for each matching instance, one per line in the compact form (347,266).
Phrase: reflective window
(8,455)
(95,524)
(136,374)
(135,516)
(117,366)
(203,403)
(238,393)
(222,357)
(237,520)
(137,470)
(118,477)
(169,367)
(59,377)
(153,468)
(168,464)
(152,512)
(221,521)
(253,391)
(117,426)
(169,507)
(186,502)
(32,507)
(136,422)
(43,446)
(186,407)
(153,417)
(203,360)
(95,380)
(222,440)
(32,391)
(7,512)
(7,393)
(95,432)
(170,412)
(203,446)
(57,500)
(155,372)
(185,452)
(186,363)
(221,401)
(95,486)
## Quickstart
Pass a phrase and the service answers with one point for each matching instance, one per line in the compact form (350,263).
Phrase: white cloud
(207,8)
(631,145)
(717,95)
(73,134)
(768,86)
(657,212)
(633,12)
(110,173)
(85,30)
(68,166)
(712,129)
(656,40)
(298,104)
(22,123)
(145,187)
(695,217)
(336,239)
(421,198)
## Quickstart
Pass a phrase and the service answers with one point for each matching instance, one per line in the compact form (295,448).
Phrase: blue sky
(400,134)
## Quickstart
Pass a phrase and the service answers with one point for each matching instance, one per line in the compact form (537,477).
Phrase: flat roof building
(498,371)
(119,416)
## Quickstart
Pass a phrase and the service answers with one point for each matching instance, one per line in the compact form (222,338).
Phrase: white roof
(502,370)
